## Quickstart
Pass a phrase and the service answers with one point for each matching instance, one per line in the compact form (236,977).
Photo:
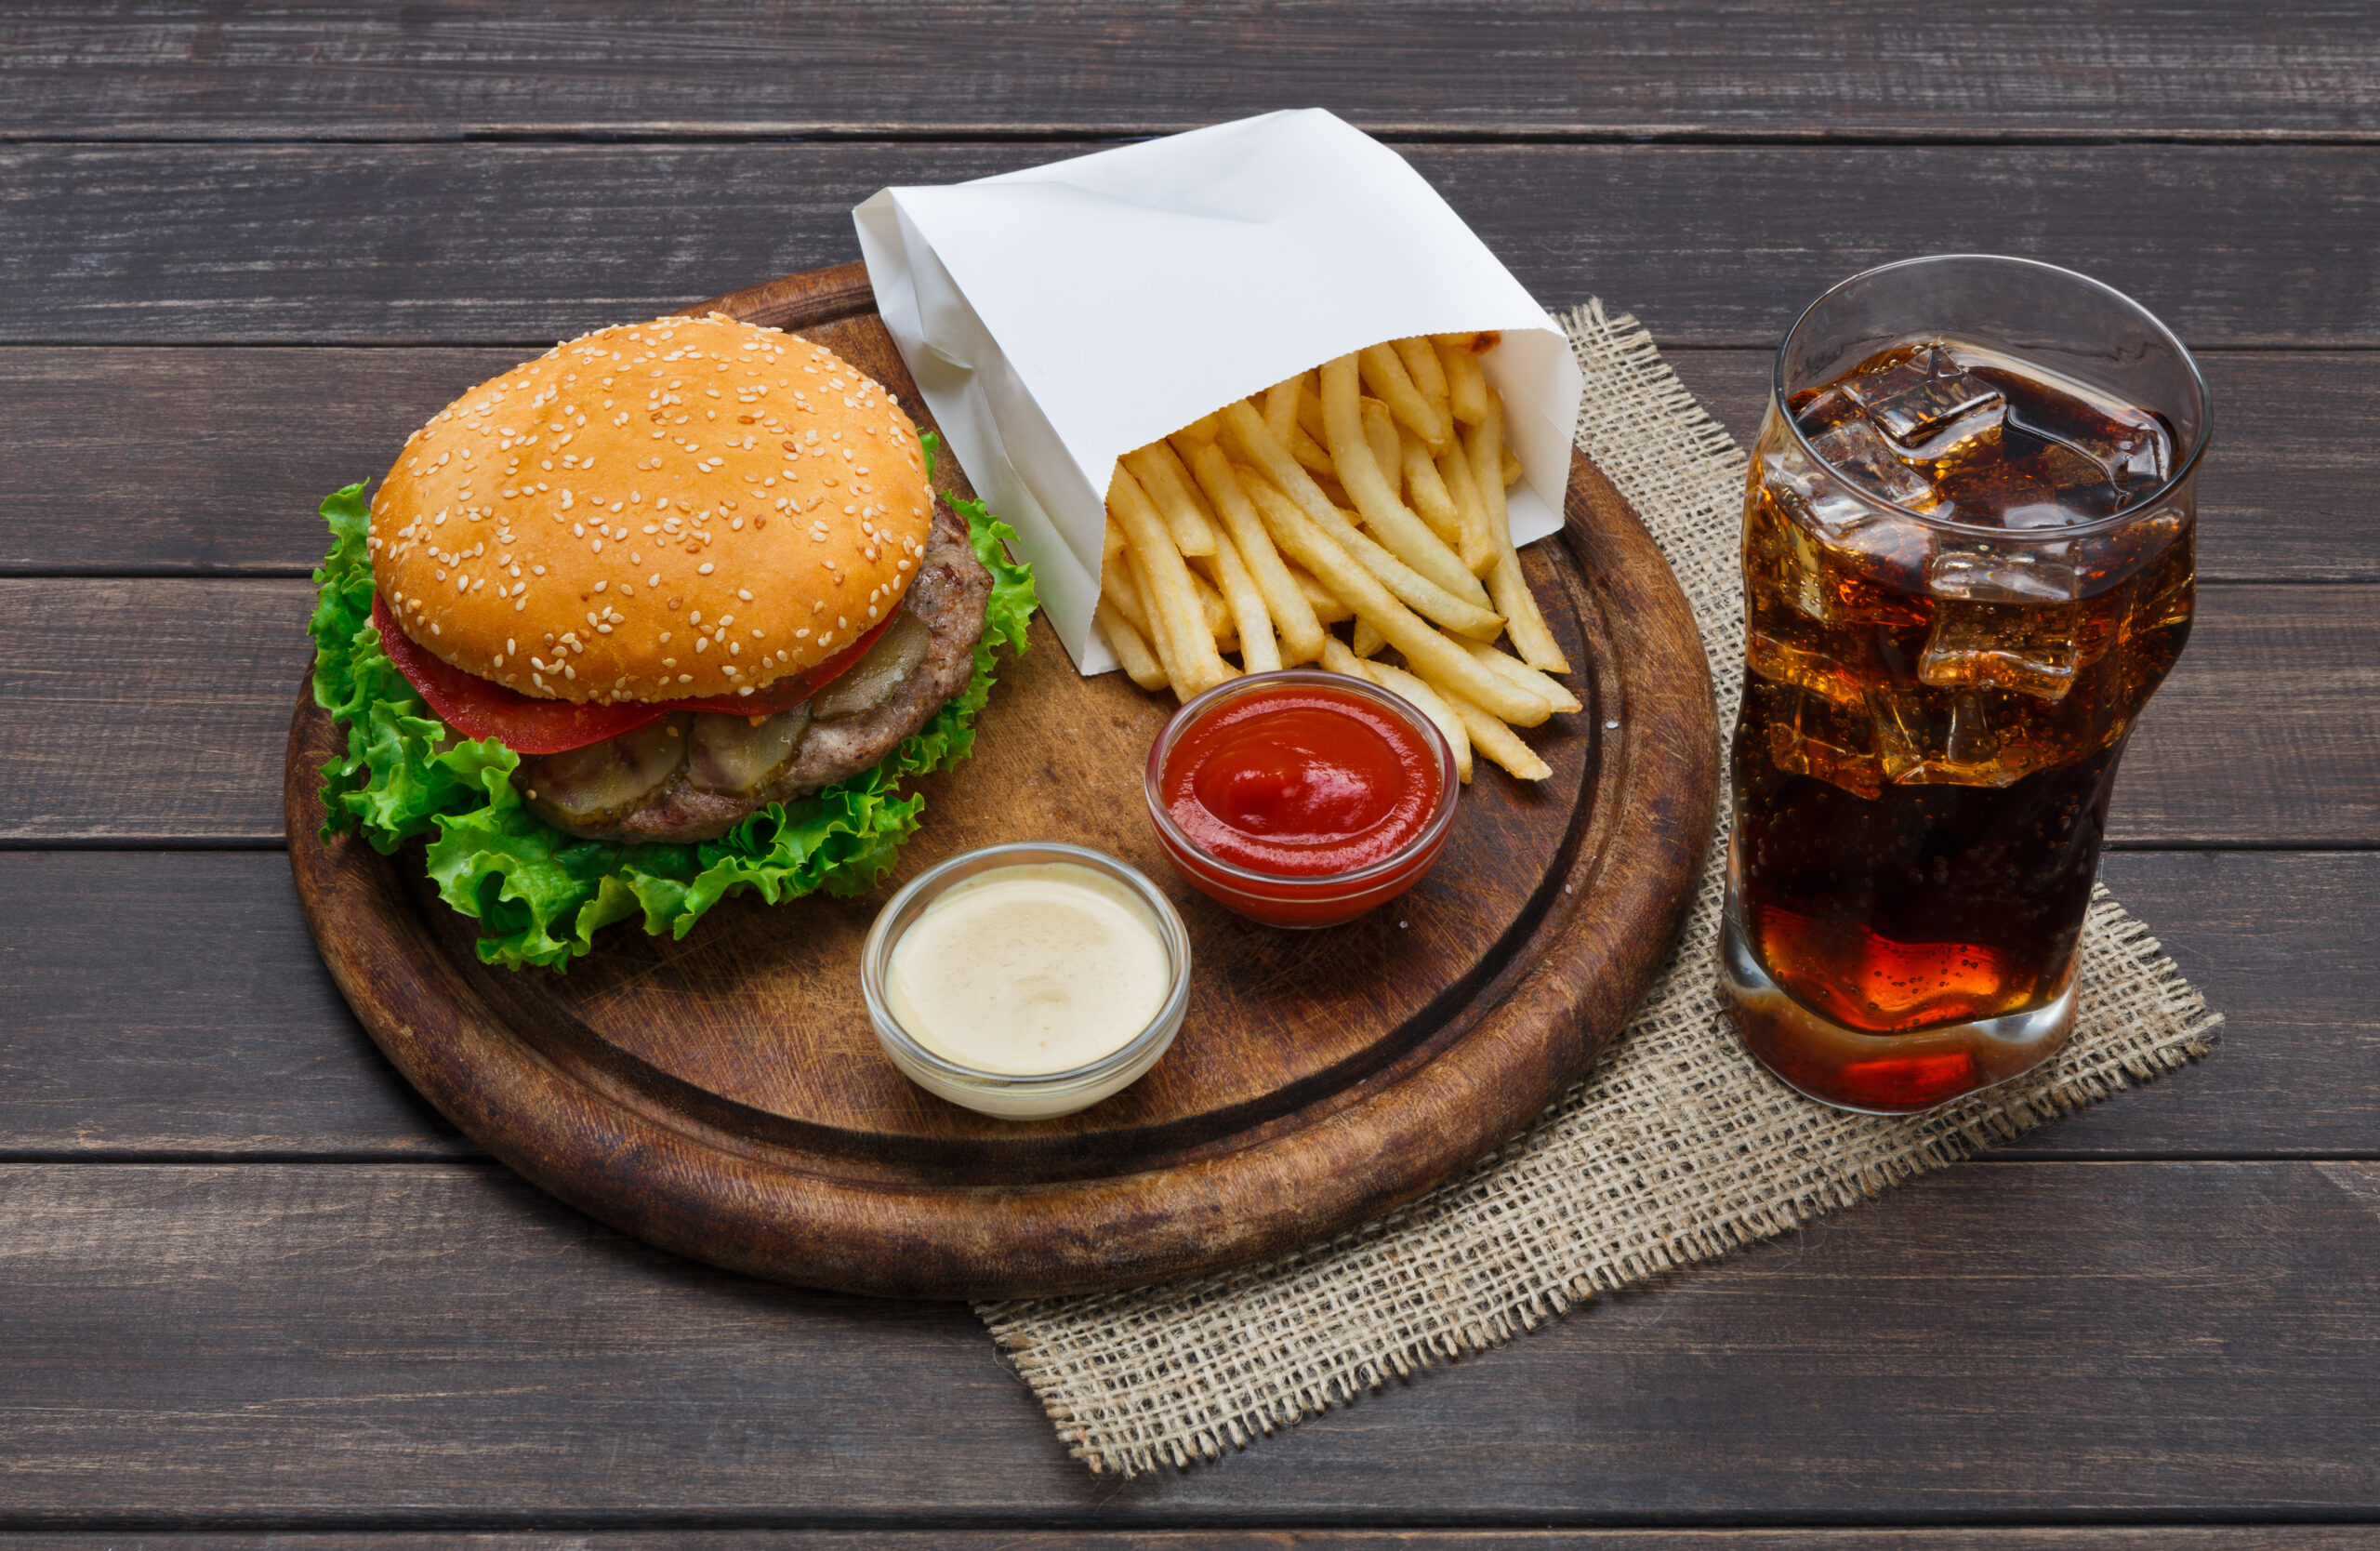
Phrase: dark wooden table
(251,1286)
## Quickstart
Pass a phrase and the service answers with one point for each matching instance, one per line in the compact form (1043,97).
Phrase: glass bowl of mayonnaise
(1026,980)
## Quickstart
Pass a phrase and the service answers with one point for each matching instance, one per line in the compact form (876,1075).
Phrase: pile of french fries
(1370,490)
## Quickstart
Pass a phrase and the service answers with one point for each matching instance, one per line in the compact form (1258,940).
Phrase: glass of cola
(1968,561)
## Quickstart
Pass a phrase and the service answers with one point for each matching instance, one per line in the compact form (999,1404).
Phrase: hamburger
(663,613)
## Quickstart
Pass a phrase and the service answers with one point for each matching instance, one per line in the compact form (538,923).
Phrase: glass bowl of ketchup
(1300,798)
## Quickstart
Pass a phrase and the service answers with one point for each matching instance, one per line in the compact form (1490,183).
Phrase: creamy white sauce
(1029,969)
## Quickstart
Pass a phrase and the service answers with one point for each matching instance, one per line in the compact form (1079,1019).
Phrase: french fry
(1431,705)
(1505,584)
(1292,484)
(1118,583)
(1432,655)
(1399,531)
(1280,409)
(1168,591)
(1160,632)
(1414,691)
(1385,374)
(1425,492)
(1422,364)
(1494,739)
(1140,664)
(1285,604)
(1370,489)
(1478,545)
(1310,410)
(1418,593)
(1385,438)
(1257,651)
(1211,608)
(1280,406)
(1327,606)
(1159,474)
(1337,659)
(1466,384)
(1517,672)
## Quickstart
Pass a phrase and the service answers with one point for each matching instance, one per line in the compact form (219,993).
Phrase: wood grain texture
(2261,738)
(723,1096)
(397,72)
(172,1003)
(223,1036)
(478,244)
(219,457)
(429,1345)
(432,1344)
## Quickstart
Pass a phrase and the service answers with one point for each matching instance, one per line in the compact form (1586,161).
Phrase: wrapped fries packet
(1058,317)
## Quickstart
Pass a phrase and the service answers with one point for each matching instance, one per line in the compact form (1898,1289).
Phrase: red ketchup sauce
(1302,781)
(1302,784)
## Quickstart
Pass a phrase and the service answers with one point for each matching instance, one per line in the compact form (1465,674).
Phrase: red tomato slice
(482,707)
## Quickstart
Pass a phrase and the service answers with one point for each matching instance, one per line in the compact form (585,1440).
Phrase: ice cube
(1809,736)
(1855,450)
(1991,492)
(1830,408)
(1928,407)
(2032,649)
(2079,481)
(1810,498)
(1926,737)
(1979,570)
(1788,648)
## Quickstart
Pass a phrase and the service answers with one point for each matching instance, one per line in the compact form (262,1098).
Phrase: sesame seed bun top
(657,512)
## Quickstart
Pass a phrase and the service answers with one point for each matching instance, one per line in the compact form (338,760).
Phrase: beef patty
(947,598)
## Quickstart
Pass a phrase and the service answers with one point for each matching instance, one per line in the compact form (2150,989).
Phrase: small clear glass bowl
(1012,1096)
(1281,900)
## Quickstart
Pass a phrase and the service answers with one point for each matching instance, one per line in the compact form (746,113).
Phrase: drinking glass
(1968,560)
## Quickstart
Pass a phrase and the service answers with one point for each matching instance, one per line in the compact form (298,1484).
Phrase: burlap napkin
(1674,1148)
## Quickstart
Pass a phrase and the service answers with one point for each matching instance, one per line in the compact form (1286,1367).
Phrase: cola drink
(1965,572)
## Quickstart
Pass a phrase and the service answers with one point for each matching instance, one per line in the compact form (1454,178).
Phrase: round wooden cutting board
(724,1098)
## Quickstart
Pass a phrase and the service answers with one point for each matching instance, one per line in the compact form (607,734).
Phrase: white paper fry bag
(1059,317)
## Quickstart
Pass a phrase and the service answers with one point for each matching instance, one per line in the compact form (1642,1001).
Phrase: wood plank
(326,1347)
(149,711)
(2282,944)
(2263,734)
(222,1037)
(219,1033)
(181,689)
(2284,497)
(1868,68)
(1712,245)
(2161,1537)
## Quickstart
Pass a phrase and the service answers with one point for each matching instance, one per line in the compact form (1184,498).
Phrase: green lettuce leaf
(540,895)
